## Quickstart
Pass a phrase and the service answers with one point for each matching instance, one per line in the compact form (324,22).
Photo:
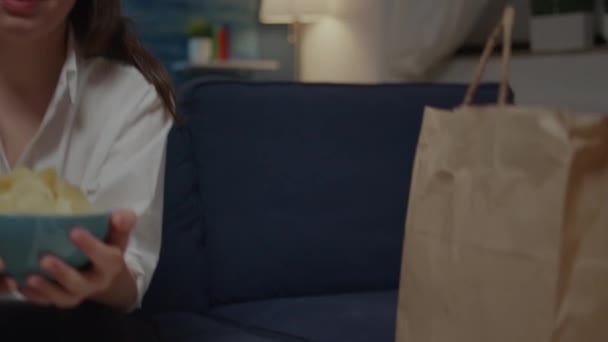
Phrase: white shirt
(105,130)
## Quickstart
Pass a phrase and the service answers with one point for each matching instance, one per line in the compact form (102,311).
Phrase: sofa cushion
(190,327)
(360,317)
(304,187)
(180,281)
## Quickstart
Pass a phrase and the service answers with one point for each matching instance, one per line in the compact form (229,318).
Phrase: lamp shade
(291,11)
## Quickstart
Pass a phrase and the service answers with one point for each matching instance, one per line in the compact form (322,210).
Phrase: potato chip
(43,192)
(7,202)
(63,206)
(49,176)
(6,182)
(22,172)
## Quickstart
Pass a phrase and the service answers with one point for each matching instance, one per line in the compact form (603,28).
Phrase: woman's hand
(107,265)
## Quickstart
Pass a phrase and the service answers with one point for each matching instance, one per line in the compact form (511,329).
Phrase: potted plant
(200,42)
(562,25)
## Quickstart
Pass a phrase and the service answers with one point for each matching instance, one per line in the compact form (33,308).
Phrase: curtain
(423,33)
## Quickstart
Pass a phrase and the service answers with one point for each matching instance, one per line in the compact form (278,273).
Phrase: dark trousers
(89,322)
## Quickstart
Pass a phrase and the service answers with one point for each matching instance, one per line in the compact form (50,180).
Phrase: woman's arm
(132,177)
(122,292)
(130,182)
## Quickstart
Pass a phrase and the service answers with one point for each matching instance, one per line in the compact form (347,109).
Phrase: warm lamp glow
(292,11)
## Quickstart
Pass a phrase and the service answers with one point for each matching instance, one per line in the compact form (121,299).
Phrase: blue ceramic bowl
(24,239)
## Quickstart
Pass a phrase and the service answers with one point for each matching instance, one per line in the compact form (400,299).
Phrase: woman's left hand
(74,287)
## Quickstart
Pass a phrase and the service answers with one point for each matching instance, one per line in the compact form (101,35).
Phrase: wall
(350,45)
(273,44)
(492,13)
(347,46)
(161,24)
(576,81)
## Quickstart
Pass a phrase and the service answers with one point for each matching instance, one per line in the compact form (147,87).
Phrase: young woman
(79,93)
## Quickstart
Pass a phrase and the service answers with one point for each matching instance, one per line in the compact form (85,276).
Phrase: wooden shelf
(232,65)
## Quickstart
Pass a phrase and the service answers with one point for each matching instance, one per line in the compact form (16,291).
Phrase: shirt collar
(69,74)
(68,85)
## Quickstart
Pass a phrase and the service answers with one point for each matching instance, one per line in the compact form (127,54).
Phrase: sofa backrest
(285,189)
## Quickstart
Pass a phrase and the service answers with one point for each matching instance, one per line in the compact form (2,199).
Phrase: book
(223,43)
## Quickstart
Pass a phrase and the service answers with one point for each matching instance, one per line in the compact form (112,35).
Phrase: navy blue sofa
(284,211)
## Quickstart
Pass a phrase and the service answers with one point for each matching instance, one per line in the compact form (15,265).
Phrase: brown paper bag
(507,227)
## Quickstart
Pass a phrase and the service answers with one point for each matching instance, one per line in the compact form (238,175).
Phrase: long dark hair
(102,31)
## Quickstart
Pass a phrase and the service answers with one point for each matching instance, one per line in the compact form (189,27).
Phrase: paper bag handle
(506,27)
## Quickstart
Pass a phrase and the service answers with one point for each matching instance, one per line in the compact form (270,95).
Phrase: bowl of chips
(38,209)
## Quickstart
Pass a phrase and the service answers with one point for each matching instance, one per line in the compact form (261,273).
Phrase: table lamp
(293,13)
